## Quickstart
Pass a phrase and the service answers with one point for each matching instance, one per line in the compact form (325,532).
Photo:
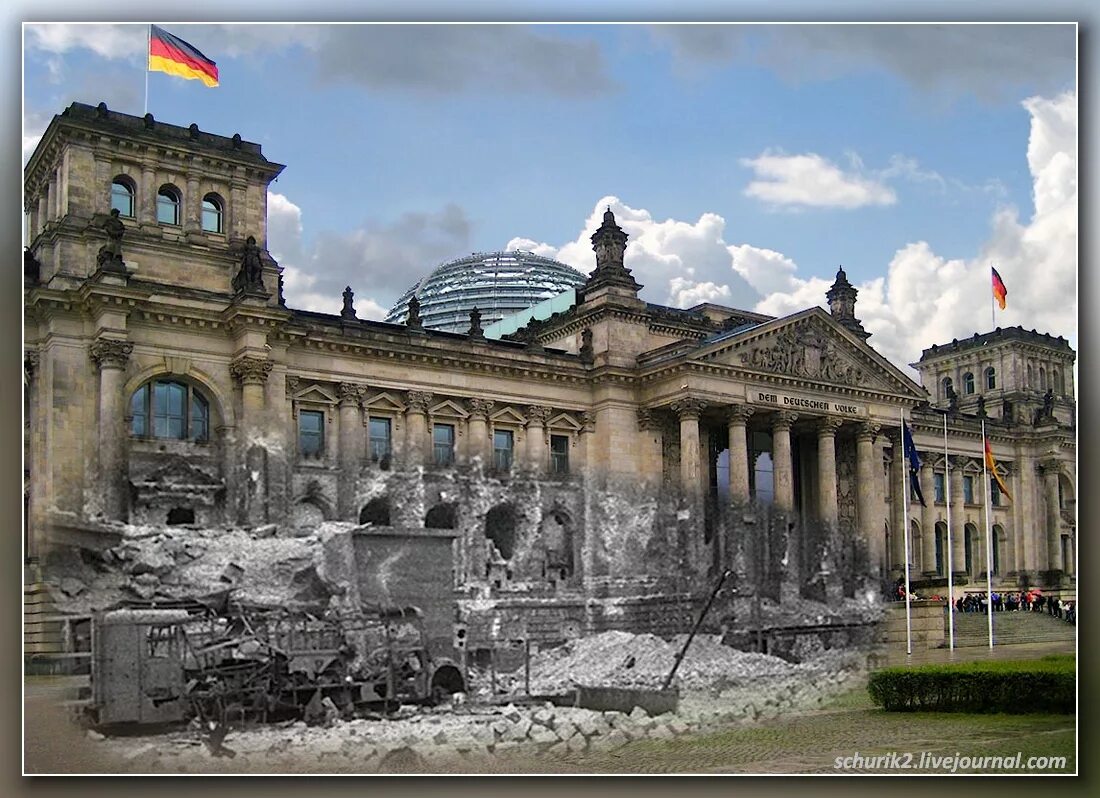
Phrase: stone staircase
(972,629)
(52,642)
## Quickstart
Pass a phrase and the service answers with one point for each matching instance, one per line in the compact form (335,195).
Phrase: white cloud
(679,263)
(105,40)
(927,298)
(809,180)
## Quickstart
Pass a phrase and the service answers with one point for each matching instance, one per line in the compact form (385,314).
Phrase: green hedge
(1016,686)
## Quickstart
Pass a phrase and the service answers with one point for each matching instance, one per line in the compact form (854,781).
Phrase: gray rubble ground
(484,738)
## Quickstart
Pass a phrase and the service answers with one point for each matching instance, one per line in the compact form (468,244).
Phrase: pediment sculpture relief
(804,351)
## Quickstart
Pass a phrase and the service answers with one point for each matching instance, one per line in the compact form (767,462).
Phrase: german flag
(991,466)
(168,53)
(999,289)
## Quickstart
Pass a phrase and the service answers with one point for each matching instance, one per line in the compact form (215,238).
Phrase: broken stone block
(542,736)
(638,714)
(576,743)
(565,730)
(544,717)
(71,586)
(265,531)
(678,726)
(92,734)
(511,714)
(612,740)
(439,738)
(558,749)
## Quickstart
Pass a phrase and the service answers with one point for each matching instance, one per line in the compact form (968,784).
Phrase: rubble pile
(483,740)
(622,659)
(181,561)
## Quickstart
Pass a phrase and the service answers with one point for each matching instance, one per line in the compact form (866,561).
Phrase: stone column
(1053,516)
(146,201)
(43,211)
(111,356)
(690,459)
(190,213)
(782,464)
(538,453)
(479,442)
(827,506)
(652,450)
(737,418)
(898,492)
(928,519)
(350,454)
(958,517)
(252,373)
(418,438)
(866,481)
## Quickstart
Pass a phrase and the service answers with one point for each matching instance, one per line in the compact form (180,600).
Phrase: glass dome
(496,283)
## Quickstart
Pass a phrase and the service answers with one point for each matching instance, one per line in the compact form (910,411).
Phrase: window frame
(219,209)
(125,183)
(946,383)
(968,383)
(968,488)
(168,196)
(373,452)
(939,487)
(438,458)
(556,458)
(193,399)
(311,412)
(503,456)
(991,378)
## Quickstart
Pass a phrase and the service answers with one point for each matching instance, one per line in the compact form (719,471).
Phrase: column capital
(689,407)
(538,415)
(480,408)
(250,370)
(647,419)
(738,413)
(827,426)
(291,385)
(1050,465)
(959,462)
(110,353)
(419,401)
(588,421)
(867,431)
(350,393)
(782,419)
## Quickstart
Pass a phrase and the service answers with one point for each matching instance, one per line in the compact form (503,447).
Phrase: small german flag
(999,290)
(171,54)
(991,466)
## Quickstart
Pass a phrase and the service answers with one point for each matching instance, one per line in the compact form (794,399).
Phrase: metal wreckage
(218,661)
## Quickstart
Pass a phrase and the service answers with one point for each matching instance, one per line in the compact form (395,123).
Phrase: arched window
(990,378)
(213,214)
(968,382)
(941,543)
(122,196)
(1042,378)
(169,409)
(168,205)
(946,386)
(500,528)
(970,540)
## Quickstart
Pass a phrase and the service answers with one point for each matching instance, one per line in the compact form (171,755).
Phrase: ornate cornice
(480,408)
(419,401)
(110,352)
(250,370)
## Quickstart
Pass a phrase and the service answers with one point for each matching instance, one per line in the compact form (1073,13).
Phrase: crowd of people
(1030,600)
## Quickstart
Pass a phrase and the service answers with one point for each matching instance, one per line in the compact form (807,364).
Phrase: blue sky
(746,162)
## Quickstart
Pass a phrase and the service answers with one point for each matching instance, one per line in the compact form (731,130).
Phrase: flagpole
(950,564)
(992,303)
(905,535)
(148,45)
(988,538)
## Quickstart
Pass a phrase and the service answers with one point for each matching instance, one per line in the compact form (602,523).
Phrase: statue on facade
(952,399)
(586,352)
(475,330)
(250,278)
(110,254)
(413,321)
(1048,403)
(282,299)
(981,407)
(31,266)
(348,311)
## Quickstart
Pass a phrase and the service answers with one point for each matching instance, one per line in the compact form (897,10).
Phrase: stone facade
(609,460)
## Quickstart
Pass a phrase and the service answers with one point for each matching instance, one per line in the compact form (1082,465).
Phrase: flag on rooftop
(171,54)
(999,290)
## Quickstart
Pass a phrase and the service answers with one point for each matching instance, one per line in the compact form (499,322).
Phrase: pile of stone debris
(622,659)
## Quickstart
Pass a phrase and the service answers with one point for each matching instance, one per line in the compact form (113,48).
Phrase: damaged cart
(222,661)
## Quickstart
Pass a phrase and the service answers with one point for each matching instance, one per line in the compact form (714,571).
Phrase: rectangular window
(380,439)
(968,490)
(503,444)
(311,433)
(938,482)
(168,401)
(443,444)
(994,493)
(559,454)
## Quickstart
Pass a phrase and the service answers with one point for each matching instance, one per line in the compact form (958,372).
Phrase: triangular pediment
(315,393)
(384,401)
(564,421)
(449,408)
(507,415)
(180,473)
(810,346)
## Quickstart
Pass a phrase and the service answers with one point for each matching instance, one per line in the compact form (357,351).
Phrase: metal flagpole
(950,564)
(148,46)
(905,535)
(988,539)
(992,301)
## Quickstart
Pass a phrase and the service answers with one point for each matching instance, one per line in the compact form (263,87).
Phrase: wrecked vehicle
(221,661)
